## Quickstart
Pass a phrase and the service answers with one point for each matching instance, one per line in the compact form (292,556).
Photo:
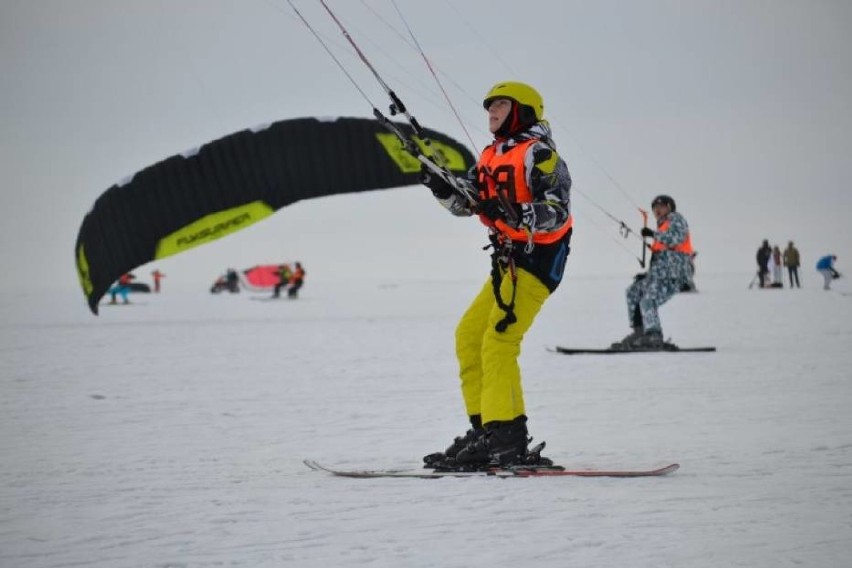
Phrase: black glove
(647,232)
(494,209)
(440,188)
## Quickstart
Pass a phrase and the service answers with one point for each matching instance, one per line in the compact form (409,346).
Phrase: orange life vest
(685,247)
(504,174)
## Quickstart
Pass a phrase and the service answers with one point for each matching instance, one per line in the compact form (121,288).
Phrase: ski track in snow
(172,434)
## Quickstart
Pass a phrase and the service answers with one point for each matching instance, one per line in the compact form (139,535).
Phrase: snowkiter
(122,288)
(284,275)
(296,281)
(825,266)
(669,271)
(232,281)
(524,201)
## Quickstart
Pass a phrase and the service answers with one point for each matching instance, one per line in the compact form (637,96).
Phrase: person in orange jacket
(296,281)
(522,188)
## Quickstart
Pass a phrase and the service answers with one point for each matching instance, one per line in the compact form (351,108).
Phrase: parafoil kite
(263,276)
(230,183)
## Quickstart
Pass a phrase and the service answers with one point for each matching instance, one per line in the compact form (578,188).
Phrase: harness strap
(502,255)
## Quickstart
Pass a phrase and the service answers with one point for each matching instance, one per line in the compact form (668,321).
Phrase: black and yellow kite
(230,183)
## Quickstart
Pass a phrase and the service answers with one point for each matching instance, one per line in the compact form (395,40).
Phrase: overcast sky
(738,109)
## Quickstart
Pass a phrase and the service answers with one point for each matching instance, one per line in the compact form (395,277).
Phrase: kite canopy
(263,276)
(228,184)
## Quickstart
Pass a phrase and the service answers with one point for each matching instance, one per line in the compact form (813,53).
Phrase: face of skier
(498,110)
(661,210)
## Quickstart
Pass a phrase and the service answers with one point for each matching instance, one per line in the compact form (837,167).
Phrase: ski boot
(504,444)
(446,459)
(651,340)
(627,341)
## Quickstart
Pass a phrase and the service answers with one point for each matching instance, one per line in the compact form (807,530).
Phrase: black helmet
(664,200)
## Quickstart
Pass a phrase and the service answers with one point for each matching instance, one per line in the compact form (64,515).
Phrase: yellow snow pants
(488,359)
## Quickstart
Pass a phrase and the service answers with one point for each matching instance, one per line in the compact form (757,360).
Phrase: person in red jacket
(157,275)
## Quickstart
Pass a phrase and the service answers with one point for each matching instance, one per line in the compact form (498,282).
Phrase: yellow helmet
(521,93)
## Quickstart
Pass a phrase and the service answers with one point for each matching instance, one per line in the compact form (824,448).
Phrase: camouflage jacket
(668,264)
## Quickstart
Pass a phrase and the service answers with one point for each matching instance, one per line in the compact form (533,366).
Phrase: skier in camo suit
(669,271)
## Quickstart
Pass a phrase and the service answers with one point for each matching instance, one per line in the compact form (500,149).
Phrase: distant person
(284,275)
(296,281)
(777,273)
(232,281)
(157,275)
(825,266)
(122,288)
(218,285)
(764,254)
(792,261)
(671,252)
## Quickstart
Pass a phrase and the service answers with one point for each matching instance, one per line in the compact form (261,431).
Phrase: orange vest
(685,247)
(504,174)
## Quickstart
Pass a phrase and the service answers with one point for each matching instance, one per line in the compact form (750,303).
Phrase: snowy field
(171,432)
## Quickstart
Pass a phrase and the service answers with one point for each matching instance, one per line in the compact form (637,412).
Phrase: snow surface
(171,432)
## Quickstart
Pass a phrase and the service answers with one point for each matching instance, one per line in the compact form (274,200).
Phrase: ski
(496,472)
(668,348)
